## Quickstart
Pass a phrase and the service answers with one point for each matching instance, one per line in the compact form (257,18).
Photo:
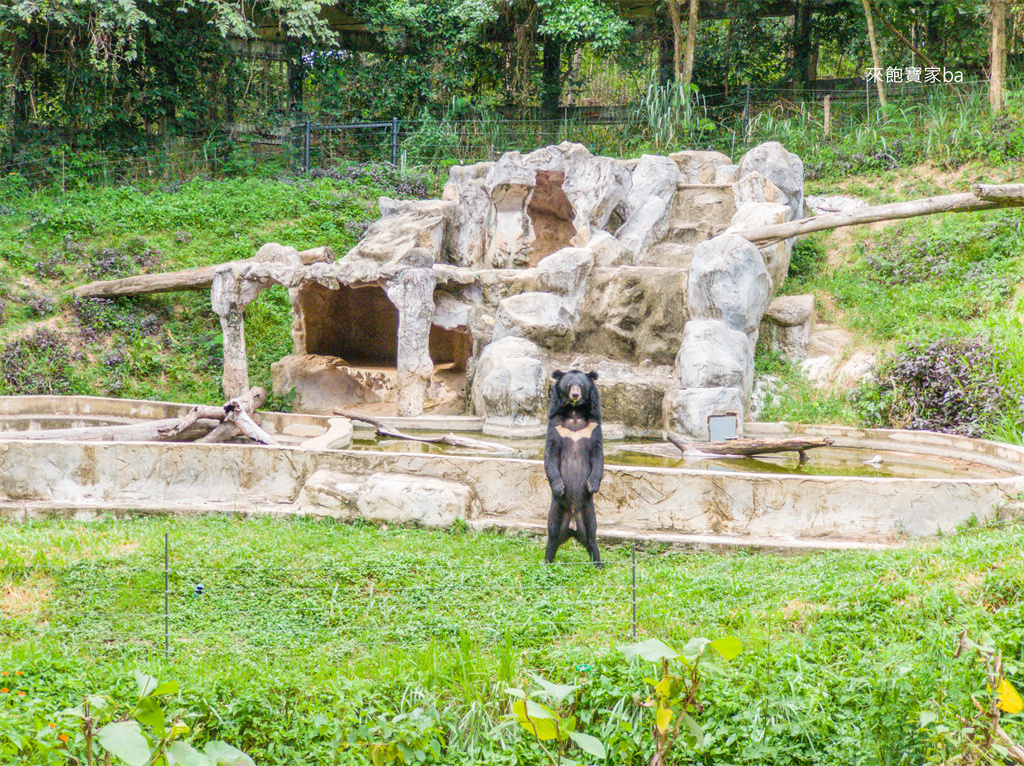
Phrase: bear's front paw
(593,485)
(558,488)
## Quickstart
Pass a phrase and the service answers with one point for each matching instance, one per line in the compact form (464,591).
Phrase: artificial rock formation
(471,301)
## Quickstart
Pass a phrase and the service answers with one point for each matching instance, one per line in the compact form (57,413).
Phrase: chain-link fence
(186,601)
(729,120)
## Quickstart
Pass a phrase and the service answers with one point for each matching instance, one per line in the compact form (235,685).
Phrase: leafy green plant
(976,736)
(551,723)
(672,115)
(674,691)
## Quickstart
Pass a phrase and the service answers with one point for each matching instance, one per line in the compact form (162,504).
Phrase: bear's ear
(557,375)
(592,374)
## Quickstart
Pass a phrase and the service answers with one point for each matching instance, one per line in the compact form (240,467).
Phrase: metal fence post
(634,590)
(746,118)
(167,598)
(305,144)
(394,143)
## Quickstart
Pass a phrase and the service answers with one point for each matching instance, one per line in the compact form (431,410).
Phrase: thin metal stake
(634,590)
(167,598)
(394,143)
(305,164)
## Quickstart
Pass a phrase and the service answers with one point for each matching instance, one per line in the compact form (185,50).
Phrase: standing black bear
(573,460)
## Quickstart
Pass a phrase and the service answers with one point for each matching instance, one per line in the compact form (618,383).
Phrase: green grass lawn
(310,638)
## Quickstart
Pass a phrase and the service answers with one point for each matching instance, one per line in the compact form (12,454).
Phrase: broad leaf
(589,745)
(124,741)
(151,713)
(663,718)
(541,726)
(694,731)
(147,684)
(928,717)
(1009,699)
(652,650)
(694,648)
(167,687)
(514,692)
(664,687)
(558,691)
(728,647)
(186,755)
(222,754)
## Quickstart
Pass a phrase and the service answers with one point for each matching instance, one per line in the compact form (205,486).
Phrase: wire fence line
(185,599)
(728,120)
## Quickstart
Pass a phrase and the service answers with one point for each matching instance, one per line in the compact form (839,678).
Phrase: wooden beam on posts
(984,197)
(172,281)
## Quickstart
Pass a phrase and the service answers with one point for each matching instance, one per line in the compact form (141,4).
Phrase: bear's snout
(575,392)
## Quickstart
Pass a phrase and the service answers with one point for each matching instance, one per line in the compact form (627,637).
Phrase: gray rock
(406,229)
(634,400)
(390,498)
(608,251)
(594,186)
(713,355)
(753,215)
(690,408)
(565,272)
(544,318)
(729,281)
(697,167)
(788,324)
(472,215)
(633,313)
(834,204)
(515,393)
(727,174)
(495,355)
(782,168)
(320,383)
(412,293)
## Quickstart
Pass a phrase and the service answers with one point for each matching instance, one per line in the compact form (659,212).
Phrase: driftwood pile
(205,424)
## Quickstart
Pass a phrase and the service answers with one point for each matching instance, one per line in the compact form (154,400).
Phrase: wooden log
(383,429)
(203,424)
(172,281)
(750,447)
(948,203)
(994,192)
(135,432)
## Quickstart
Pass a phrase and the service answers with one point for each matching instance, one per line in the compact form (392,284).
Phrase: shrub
(41,363)
(950,385)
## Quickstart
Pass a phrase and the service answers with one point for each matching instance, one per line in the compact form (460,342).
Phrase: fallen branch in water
(383,429)
(750,447)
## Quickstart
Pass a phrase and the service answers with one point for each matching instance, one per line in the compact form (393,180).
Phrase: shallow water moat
(870,487)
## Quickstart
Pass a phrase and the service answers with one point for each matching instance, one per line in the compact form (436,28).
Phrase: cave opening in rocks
(360,325)
(551,214)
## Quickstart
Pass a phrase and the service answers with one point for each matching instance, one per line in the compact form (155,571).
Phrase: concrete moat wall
(41,478)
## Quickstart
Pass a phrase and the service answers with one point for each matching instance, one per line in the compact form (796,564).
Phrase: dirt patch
(27,599)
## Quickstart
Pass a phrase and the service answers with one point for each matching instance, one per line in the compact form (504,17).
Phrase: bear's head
(575,390)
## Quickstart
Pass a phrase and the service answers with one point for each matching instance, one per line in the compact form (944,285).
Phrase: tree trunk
(691,41)
(677,38)
(984,197)
(876,62)
(997,59)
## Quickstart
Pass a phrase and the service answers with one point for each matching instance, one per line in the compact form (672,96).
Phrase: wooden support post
(828,115)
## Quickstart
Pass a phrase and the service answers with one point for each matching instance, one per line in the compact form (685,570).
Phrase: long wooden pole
(172,281)
(879,73)
(997,56)
(984,197)
(691,42)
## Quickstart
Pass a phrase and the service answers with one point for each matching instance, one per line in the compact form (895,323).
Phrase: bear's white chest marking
(583,433)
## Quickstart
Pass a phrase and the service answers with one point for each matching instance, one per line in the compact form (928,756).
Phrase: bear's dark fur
(573,460)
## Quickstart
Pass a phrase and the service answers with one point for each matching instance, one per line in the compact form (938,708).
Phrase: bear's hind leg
(558,531)
(588,532)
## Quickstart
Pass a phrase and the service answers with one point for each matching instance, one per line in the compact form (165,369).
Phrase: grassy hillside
(166,346)
(312,641)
